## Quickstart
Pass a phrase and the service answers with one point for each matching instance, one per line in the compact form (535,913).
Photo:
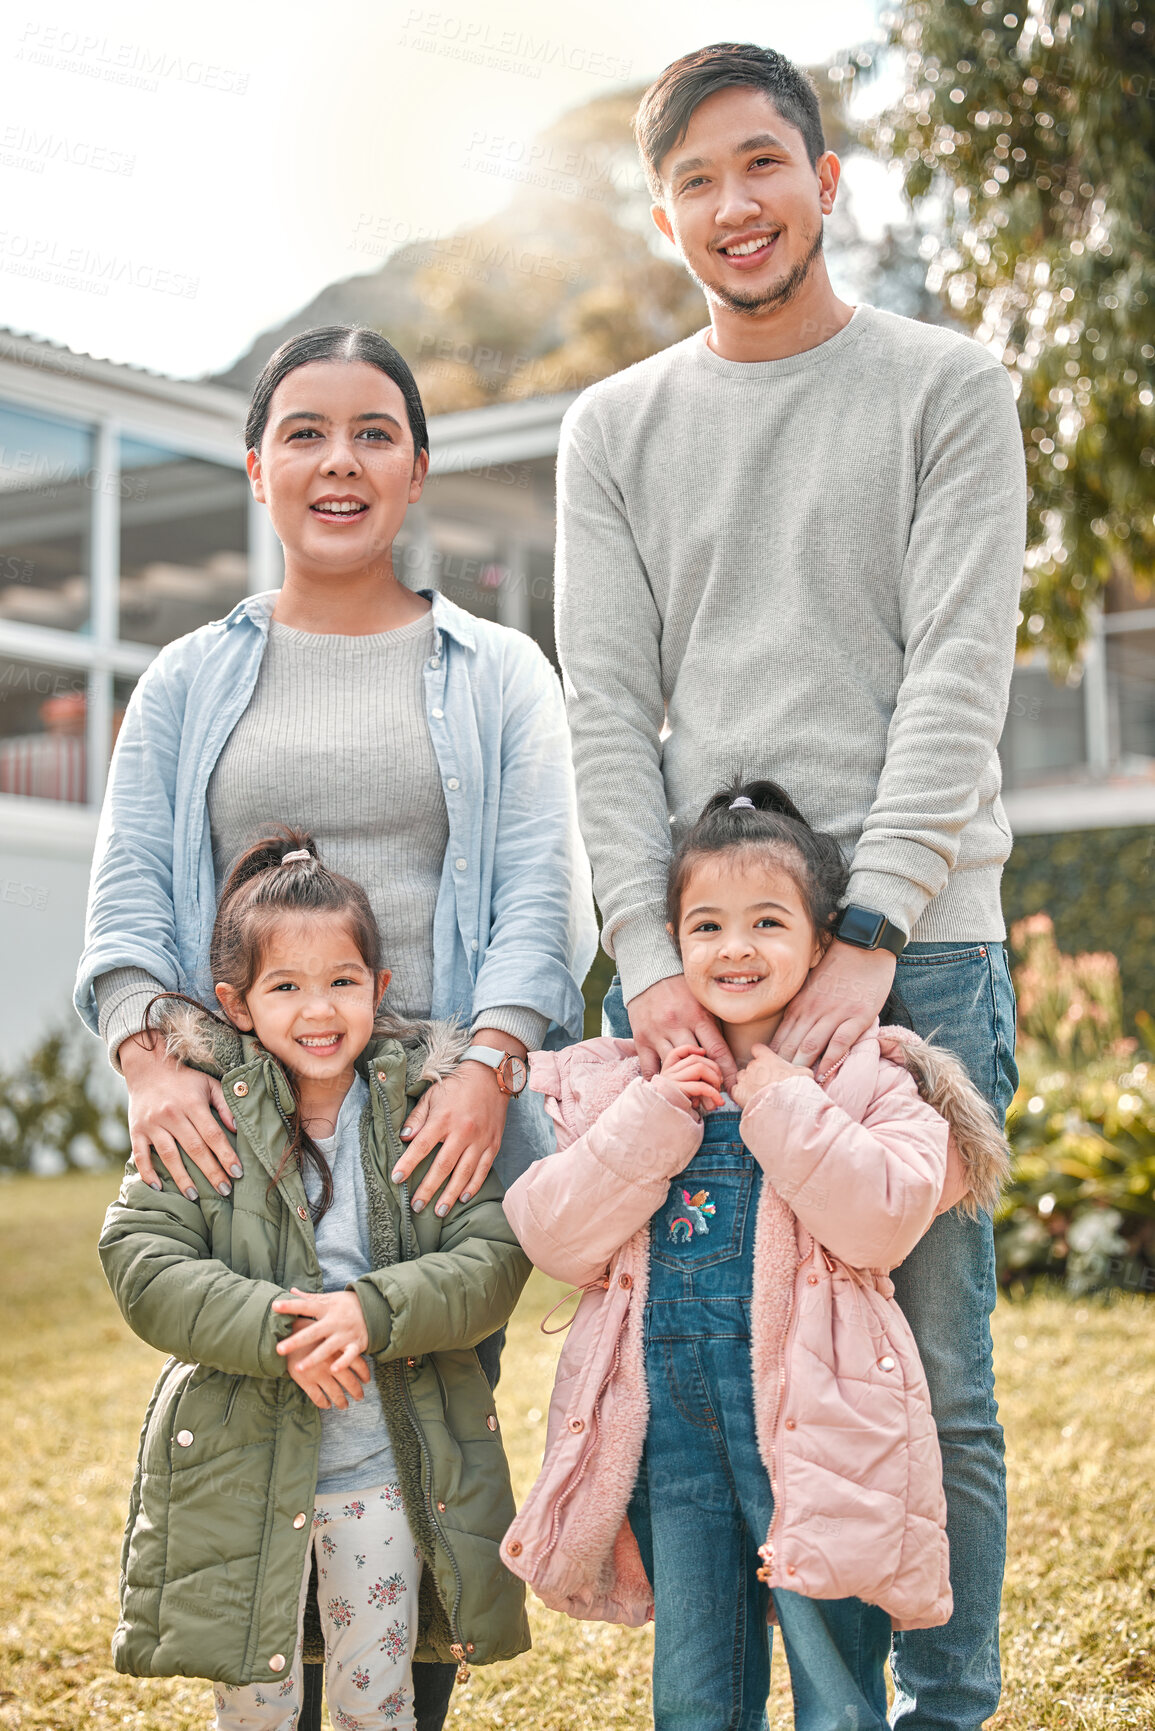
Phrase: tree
(1027,134)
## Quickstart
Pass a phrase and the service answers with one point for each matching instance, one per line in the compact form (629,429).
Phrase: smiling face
(742,202)
(746,938)
(313,999)
(336,466)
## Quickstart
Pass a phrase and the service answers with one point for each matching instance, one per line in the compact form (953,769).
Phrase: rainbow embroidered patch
(690,1216)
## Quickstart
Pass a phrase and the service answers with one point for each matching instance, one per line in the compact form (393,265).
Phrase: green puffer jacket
(221,1511)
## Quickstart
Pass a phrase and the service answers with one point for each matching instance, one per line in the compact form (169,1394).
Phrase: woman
(424,749)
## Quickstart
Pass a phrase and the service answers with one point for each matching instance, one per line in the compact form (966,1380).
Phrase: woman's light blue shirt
(514,921)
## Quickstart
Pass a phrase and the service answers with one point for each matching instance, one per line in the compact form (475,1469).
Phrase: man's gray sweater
(806,569)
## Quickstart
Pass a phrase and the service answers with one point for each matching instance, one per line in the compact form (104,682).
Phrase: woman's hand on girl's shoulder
(171,1110)
(695,1075)
(466,1114)
(764,1067)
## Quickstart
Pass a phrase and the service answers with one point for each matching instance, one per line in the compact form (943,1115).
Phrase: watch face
(514,1073)
(860,926)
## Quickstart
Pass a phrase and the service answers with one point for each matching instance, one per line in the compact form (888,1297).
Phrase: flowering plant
(1081,1202)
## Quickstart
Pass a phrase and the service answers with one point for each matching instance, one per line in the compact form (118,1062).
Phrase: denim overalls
(702,1502)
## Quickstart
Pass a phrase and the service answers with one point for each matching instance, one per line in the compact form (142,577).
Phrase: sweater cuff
(122,1000)
(900,899)
(645,953)
(528,1026)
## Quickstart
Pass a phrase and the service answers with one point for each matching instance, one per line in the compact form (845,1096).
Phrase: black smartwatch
(868,930)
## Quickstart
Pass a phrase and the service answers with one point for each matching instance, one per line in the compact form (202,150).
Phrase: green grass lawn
(1077,1392)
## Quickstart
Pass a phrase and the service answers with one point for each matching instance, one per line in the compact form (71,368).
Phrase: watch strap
(867,929)
(484,1055)
(502,1064)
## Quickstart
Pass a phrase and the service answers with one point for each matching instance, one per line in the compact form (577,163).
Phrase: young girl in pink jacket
(740,1431)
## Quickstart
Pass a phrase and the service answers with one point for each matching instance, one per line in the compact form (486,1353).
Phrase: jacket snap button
(812,1280)
(514,1547)
(790,1569)
(441,1508)
(886,1363)
(411,1362)
(298,1521)
(302,1211)
(381,1076)
(469,1646)
(277,1662)
(491,1421)
(242,1088)
(790,1425)
(577,1424)
(184,1438)
(625,1281)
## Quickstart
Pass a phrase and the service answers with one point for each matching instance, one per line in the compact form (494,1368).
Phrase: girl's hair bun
(757,795)
(270,851)
(761,815)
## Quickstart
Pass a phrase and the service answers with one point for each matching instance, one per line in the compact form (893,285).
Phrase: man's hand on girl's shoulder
(840,1000)
(764,1067)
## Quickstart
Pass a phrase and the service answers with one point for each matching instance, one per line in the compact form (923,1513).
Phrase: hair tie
(291,858)
(741,803)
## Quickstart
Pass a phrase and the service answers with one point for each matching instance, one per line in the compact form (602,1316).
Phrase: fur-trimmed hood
(194,1036)
(978,1155)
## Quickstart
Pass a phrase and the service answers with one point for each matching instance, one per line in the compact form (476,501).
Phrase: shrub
(1081,1202)
(51,1116)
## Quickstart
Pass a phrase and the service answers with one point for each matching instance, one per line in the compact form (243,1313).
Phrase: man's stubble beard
(778,295)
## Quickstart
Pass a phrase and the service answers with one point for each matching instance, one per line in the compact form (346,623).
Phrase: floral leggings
(368,1572)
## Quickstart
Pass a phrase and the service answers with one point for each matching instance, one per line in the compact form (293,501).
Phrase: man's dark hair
(665,110)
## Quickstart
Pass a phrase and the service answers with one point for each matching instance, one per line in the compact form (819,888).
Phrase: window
(1131,683)
(47,480)
(183,541)
(1045,737)
(112,543)
(43,730)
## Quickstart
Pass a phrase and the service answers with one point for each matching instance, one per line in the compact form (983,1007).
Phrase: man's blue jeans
(949,1679)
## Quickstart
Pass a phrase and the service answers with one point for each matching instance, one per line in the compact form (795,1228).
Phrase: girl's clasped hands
(700,1079)
(326,1349)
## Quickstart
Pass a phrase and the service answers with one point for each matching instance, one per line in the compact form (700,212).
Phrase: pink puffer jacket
(855,1170)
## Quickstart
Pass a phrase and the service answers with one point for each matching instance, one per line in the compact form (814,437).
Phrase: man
(792,546)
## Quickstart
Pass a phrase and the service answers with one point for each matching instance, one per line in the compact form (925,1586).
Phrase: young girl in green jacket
(323,1413)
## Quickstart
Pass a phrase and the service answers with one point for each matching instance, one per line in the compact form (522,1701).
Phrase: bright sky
(174,182)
